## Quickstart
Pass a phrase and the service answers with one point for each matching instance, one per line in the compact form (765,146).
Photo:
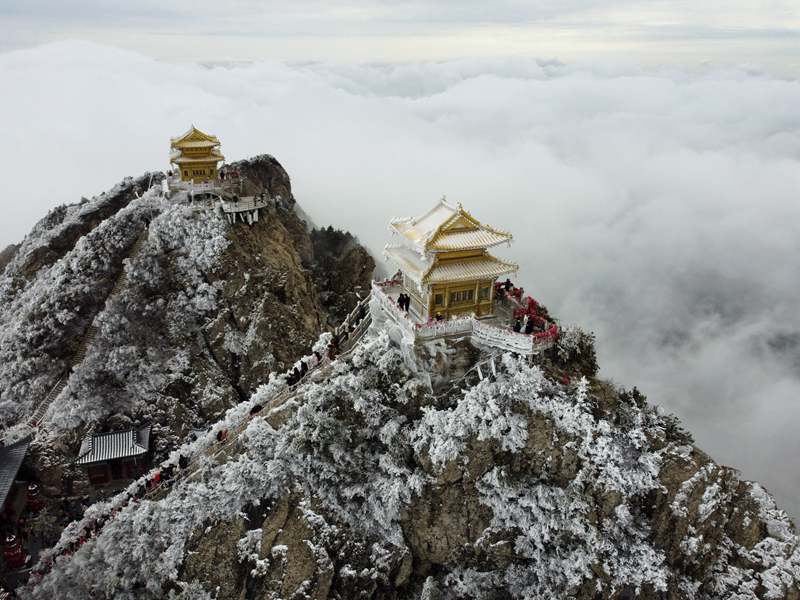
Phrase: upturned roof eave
(433,249)
(504,268)
(425,242)
(196,159)
(194,130)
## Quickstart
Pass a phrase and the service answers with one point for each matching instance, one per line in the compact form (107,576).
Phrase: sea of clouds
(658,208)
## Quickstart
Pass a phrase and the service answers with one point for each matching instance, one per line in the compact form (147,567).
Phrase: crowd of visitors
(302,367)
(531,318)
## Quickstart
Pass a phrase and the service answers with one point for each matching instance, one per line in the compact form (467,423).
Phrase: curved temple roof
(213,156)
(485,267)
(410,262)
(425,271)
(446,228)
(467,240)
(192,136)
(118,444)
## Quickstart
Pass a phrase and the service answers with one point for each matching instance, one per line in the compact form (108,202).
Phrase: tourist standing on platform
(529,326)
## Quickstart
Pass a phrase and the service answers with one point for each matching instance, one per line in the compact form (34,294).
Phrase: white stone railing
(503,338)
(355,317)
(206,186)
(435,329)
(506,339)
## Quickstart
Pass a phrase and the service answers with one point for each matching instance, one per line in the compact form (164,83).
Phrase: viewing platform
(245,210)
(224,194)
(494,331)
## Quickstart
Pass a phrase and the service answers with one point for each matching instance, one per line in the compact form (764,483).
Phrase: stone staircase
(42,407)
(355,325)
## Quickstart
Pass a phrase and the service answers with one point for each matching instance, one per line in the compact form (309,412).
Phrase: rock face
(379,477)
(341,266)
(190,313)
(6,255)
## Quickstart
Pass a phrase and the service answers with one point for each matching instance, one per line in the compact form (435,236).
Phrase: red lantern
(13,553)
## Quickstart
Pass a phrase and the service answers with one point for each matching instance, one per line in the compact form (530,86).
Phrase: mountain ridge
(390,471)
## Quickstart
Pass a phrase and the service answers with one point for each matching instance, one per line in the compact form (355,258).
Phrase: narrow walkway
(350,331)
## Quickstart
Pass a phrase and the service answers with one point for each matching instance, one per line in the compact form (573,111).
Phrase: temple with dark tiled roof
(115,455)
(11,458)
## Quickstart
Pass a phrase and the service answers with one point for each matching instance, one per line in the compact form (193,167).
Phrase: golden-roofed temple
(196,155)
(447,287)
(444,259)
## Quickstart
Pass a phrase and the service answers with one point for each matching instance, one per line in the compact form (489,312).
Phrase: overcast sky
(646,155)
(757,33)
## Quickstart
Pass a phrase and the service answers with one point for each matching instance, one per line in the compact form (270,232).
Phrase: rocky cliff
(158,311)
(388,473)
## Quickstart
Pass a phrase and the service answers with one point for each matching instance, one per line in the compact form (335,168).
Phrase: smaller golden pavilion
(447,269)
(196,155)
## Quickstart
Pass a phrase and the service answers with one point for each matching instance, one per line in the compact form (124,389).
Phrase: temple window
(484,292)
(438,299)
(461,297)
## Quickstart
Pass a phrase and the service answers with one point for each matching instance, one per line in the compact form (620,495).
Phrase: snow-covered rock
(518,487)
(174,314)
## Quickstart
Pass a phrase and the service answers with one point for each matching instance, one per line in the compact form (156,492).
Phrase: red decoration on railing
(551,333)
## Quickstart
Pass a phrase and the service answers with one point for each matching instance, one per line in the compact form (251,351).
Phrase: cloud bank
(658,208)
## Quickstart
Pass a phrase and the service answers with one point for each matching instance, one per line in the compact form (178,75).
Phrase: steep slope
(341,265)
(6,255)
(366,484)
(153,311)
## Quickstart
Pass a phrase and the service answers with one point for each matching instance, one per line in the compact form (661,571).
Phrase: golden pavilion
(445,263)
(196,155)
